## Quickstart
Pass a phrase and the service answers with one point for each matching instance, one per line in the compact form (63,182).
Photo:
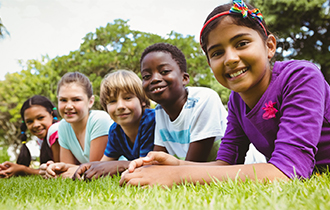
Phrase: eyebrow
(158,67)
(230,40)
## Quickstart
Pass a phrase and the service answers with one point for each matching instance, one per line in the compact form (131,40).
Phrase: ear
(271,46)
(91,102)
(143,104)
(185,78)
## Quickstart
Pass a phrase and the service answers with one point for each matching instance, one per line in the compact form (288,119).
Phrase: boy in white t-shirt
(189,120)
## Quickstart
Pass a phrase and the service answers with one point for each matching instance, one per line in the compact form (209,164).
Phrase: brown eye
(164,72)
(242,44)
(216,53)
(146,77)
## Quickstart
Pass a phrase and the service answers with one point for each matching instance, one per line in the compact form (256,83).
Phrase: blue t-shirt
(119,145)
(98,125)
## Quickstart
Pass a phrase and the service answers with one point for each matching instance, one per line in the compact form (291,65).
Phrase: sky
(55,27)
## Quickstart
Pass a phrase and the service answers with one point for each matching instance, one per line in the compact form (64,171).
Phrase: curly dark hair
(176,54)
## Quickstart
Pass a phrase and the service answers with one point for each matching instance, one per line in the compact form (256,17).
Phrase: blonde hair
(122,80)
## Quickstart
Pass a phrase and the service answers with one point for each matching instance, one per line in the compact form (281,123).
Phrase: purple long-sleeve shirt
(298,137)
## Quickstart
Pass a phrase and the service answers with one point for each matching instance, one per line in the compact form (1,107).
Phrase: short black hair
(176,54)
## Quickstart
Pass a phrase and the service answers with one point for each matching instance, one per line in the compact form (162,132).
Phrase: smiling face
(38,120)
(125,109)
(162,79)
(74,103)
(239,57)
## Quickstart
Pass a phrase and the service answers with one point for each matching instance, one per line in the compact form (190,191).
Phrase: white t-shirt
(52,134)
(203,116)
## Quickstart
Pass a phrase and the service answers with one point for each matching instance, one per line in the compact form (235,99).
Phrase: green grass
(33,192)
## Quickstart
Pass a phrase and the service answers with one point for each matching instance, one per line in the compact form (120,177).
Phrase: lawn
(33,192)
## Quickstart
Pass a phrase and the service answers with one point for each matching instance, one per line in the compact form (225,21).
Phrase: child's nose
(156,77)
(68,105)
(231,58)
(36,123)
(120,104)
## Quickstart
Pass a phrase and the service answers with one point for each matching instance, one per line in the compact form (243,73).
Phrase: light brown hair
(122,80)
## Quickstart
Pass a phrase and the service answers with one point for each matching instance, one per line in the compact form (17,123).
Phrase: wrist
(182,162)
(122,166)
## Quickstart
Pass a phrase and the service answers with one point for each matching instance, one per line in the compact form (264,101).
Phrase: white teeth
(157,89)
(237,73)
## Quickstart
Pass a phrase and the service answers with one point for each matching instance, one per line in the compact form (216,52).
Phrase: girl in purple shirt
(283,109)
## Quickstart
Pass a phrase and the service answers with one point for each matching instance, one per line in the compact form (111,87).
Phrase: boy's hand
(80,172)
(95,170)
(153,158)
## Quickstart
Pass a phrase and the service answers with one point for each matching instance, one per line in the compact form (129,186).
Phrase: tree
(302,27)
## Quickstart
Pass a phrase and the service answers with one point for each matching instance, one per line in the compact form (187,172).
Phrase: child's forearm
(212,163)
(28,171)
(206,174)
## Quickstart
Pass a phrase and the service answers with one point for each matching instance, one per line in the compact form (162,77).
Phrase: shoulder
(148,116)
(114,127)
(200,92)
(149,112)
(202,95)
(53,128)
(100,119)
(158,108)
(99,115)
(63,125)
(296,67)
(293,73)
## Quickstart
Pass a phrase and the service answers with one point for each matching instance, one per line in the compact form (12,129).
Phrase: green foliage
(302,27)
(33,192)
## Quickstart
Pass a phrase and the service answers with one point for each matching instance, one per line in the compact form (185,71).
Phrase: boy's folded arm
(199,150)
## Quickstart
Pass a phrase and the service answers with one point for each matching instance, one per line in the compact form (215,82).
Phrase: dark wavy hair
(237,20)
(24,157)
